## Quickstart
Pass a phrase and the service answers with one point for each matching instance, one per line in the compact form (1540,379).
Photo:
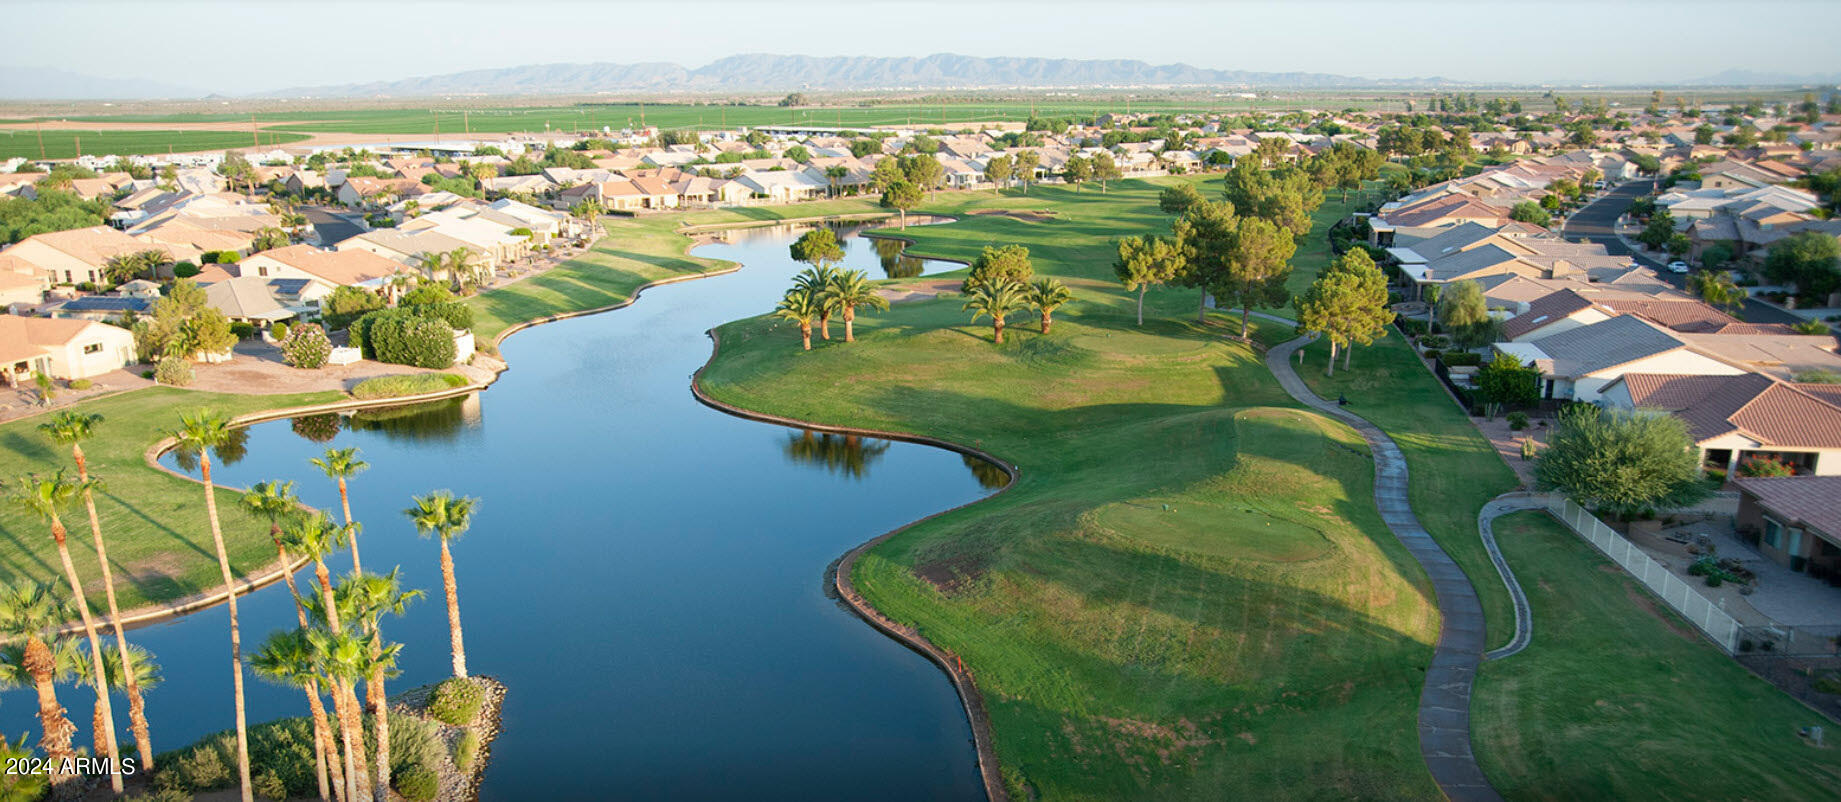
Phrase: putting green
(1215,529)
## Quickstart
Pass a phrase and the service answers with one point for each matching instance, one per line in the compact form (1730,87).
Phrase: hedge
(399,336)
(406,384)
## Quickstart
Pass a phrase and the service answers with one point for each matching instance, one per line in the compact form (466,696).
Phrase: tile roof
(1774,413)
(23,338)
(354,266)
(1605,344)
(1808,500)
(1555,306)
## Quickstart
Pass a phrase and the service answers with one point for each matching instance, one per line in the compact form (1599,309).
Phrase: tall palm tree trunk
(344,699)
(55,729)
(850,324)
(137,707)
(322,740)
(997,330)
(453,610)
(380,714)
(105,715)
(236,635)
(345,503)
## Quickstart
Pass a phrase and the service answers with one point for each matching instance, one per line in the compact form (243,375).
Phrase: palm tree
(341,657)
(373,596)
(448,517)
(814,280)
(317,536)
(848,290)
(32,612)
(286,659)
(198,434)
(72,428)
(431,263)
(1046,295)
(45,497)
(341,464)
(461,262)
(145,676)
(801,306)
(275,500)
(997,299)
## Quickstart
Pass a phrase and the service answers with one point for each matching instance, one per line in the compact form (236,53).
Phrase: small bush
(457,702)
(173,371)
(146,374)
(1714,580)
(266,784)
(1434,341)
(306,347)
(417,784)
(1410,326)
(243,330)
(466,751)
(278,331)
(1518,420)
(81,384)
(1433,354)
(185,270)
(1462,359)
(406,384)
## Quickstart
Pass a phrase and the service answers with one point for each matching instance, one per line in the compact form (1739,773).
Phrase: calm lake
(646,574)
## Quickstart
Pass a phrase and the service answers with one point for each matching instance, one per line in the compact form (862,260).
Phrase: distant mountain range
(772,73)
(51,83)
(763,72)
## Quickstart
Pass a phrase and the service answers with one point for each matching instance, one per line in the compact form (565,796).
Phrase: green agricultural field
(1619,698)
(69,143)
(159,542)
(1187,594)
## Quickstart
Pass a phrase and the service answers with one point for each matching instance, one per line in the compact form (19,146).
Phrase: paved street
(1597,222)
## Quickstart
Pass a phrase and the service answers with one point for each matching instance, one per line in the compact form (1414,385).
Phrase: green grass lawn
(159,542)
(1188,593)
(1454,470)
(66,144)
(1619,698)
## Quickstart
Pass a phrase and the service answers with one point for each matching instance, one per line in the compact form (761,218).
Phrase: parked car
(1677,266)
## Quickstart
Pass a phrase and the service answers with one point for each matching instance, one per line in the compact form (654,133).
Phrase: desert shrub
(160,795)
(306,347)
(347,304)
(278,331)
(427,293)
(417,784)
(1518,420)
(406,384)
(457,702)
(267,785)
(81,384)
(185,270)
(466,751)
(243,329)
(200,767)
(173,371)
(1434,341)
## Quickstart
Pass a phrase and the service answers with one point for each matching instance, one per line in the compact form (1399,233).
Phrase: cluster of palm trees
(463,268)
(822,292)
(1003,296)
(338,644)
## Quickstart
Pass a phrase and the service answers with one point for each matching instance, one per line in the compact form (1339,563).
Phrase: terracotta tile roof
(353,266)
(92,246)
(1680,314)
(1774,413)
(1805,500)
(23,338)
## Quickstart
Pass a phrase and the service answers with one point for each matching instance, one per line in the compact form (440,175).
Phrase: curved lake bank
(645,573)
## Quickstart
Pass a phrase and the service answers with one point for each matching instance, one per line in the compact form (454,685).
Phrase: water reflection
(321,428)
(230,452)
(842,454)
(987,473)
(894,263)
(427,422)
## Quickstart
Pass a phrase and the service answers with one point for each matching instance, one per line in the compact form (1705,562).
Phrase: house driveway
(257,369)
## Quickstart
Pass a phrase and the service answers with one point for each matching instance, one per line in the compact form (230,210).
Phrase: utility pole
(41,140)
(255,134)
(466,123)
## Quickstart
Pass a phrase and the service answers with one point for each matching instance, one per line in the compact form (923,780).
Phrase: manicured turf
(159,542)
(66,144)
(1619,698)
(1454,470)
(1264,637)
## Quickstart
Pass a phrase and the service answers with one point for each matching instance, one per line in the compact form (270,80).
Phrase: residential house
(60,348)
(1797,521)
(1578,363)
(74,256)
(252,299)
(101,308)
(1735,418)
(329,269)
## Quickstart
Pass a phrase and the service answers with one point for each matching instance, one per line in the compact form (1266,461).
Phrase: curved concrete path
(1444,703)
(1486,517)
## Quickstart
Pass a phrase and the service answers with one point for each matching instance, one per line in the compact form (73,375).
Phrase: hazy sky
(252,45)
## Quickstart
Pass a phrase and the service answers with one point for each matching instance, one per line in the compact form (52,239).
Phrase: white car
(1677,266)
